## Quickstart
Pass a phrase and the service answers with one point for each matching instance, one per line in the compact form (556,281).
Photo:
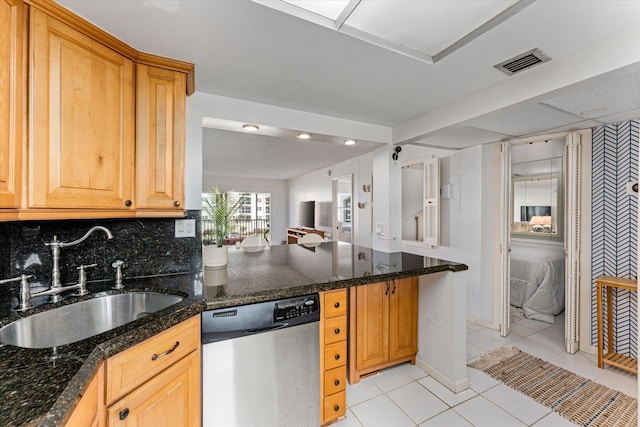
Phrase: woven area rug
(581,401)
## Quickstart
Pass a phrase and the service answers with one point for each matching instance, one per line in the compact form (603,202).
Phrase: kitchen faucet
(56,286)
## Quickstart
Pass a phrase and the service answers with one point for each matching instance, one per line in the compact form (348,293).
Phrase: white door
(343,218)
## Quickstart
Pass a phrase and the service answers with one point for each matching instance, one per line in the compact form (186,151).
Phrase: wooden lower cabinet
(170,399)
(383,329)
(333,355)
(155,383)
(90,411)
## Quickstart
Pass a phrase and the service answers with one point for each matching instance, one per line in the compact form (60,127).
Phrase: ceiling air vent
(523,62)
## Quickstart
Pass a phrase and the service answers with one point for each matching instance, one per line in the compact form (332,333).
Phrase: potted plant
(219,207)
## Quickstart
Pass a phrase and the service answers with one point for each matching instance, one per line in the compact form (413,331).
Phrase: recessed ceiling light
(304,135)
(349,142)
(251,128)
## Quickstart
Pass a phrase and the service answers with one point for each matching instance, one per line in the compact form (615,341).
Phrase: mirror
(537,199)
(413,201)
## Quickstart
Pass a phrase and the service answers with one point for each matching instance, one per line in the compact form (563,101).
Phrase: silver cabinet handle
(166,353)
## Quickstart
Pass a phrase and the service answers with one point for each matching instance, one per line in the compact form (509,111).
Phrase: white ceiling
(246,50)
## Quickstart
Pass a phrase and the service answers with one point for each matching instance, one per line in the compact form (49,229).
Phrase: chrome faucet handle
(54,242)
(118,265)
(25,293)
(82,279)
(21,278)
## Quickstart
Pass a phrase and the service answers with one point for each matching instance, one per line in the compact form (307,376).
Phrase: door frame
(334,186)
(572,250)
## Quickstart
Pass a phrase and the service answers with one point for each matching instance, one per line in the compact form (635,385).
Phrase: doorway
(343,224)
(539,232)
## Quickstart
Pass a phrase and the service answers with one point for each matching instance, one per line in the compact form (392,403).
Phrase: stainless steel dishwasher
(261,364)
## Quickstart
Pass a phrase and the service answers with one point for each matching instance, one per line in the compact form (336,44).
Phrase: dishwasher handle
(267,329)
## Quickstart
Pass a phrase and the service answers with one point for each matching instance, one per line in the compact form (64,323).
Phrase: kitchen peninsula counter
(284,271)
(40,386)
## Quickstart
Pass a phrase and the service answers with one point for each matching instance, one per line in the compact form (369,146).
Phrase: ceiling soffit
(426,31)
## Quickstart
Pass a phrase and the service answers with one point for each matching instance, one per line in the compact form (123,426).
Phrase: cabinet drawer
(335,380)
(335,355)
(132,367)
(335,329)
(335,406)
(335,303)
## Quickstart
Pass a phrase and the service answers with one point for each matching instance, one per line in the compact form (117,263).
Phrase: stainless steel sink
(84,319)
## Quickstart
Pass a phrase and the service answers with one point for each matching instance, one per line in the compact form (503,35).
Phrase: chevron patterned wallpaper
(614,225)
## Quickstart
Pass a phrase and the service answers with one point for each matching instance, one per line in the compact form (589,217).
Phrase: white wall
(318,186)
(279,198)
(201,105)
(470,225)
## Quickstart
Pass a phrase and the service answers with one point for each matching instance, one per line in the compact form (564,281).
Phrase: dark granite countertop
(39,386)
(283,271)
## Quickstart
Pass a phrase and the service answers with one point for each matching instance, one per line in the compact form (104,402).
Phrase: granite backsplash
(148,247)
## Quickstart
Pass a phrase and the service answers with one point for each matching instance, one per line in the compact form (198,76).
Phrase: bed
(537,285)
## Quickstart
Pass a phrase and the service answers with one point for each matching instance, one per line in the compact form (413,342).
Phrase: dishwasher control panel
(293,308)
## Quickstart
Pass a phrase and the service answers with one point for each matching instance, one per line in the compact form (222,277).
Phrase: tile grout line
(549,337)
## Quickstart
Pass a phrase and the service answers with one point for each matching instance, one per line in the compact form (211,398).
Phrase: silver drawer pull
(156,356)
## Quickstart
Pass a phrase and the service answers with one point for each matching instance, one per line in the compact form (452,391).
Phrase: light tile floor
(406,396)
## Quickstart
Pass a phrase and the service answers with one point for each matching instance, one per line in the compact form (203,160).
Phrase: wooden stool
(612,358)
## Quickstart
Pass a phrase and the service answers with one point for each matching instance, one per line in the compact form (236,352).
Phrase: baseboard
(454,386)
(482,322)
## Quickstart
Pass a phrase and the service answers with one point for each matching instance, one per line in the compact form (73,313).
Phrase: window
(252,217)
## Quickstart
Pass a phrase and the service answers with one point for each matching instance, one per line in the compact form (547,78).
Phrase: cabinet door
(12,94)
(160,110)
(82,120)
(170,399)
(403,318)
(90,410)
(372,325)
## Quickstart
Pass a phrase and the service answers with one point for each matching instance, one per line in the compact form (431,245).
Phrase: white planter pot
(213,256)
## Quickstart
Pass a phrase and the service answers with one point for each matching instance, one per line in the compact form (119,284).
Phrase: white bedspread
(538,287)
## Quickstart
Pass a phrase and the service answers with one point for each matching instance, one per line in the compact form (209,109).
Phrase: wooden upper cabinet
(82,120)
(160,115)
(12,96)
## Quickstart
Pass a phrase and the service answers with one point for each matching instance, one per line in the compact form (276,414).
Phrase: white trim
(585,249)
(431,202)
(572,227)
(505,238)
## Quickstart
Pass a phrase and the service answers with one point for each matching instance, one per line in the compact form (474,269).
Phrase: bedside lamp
(541,224)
